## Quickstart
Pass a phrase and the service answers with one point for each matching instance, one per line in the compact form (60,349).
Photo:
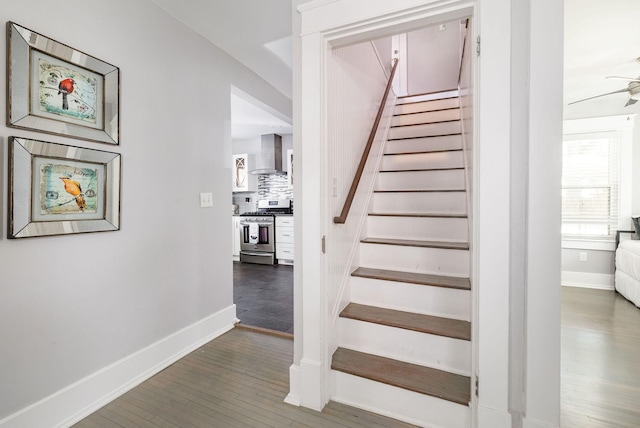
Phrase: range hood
(269,161)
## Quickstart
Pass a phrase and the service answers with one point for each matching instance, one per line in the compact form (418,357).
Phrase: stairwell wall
(357,82)
(466,94)
(466,90)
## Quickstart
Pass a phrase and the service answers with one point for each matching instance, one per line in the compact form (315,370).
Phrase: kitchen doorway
(262,143)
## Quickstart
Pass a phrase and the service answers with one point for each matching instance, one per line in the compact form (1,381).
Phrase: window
(590,185)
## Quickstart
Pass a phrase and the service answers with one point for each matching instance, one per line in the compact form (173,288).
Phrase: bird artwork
(74,189)
(65,87)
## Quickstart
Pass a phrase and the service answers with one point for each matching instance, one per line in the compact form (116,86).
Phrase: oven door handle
(259,224)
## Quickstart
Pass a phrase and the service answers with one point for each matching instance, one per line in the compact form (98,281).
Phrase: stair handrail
(342,218)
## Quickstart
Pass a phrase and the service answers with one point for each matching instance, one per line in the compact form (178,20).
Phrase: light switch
(206,200)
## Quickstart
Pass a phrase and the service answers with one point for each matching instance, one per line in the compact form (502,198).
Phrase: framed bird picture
(56,89)
(57,189)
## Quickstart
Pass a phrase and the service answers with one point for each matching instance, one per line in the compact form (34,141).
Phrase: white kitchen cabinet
(284,239)
(235,228)
(243,181)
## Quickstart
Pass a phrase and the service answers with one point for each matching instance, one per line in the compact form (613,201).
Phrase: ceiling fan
(633,88)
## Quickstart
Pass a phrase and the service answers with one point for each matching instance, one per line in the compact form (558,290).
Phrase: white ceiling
(601,39)
(257,33)
(250,119)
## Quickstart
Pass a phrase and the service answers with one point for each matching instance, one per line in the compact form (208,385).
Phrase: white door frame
(329,23)
(310,371)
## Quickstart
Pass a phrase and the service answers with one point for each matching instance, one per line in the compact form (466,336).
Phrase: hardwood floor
(241,379)
(263,295)
(237,380)
(600,360)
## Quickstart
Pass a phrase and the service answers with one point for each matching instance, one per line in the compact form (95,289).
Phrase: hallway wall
(73,305)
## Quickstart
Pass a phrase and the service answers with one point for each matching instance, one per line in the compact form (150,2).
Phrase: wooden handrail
(365,154)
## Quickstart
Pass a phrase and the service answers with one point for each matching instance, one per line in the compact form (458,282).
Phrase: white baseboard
(311,383)
(293,397)
(73,403)
(600,281)
(532,423)
(493,418)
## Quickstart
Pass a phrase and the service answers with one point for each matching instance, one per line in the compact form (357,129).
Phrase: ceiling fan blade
(601,95)
(628,79)
(630,102)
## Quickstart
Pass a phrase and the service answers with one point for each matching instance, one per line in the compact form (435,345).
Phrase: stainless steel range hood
(270,159)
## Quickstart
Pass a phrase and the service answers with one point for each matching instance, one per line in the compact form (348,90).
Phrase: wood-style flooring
(237,380)
(263,295)
(600,380)
(241,379)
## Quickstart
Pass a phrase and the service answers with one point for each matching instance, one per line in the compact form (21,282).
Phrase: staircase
(405,337)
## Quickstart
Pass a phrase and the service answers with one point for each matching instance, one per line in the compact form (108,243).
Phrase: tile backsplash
(269,187)
(274,187)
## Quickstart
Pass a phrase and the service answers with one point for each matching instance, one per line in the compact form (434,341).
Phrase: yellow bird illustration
(73,188)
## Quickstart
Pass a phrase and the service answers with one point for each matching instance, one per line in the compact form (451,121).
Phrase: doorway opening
(262,204)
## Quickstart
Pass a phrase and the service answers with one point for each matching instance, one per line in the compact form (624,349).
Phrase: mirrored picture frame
(56,89)
(56,189)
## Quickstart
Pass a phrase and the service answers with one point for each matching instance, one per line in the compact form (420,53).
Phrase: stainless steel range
(257,231)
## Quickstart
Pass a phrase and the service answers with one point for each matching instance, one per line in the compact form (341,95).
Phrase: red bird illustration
(65,87)
(73,188)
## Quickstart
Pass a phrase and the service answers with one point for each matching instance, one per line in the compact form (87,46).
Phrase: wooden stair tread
(420,379)
(413,243)
(423,111)
(424,136)
(440,215)
(421,169)
(425,123)
(403,97)
(413,278)
(422,152)
(447,327)
(420,190)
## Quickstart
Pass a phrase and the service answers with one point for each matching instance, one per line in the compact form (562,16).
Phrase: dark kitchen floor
(263,295)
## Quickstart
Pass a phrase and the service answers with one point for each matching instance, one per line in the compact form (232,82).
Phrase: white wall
(356,84)
(598,270)
(72,305)
(635,170)
(385,52)
(433,58)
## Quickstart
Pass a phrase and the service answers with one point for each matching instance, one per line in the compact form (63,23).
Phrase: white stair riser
(422,299)
(426,130)
(438,352)
(418,228)
(428,97)
(437,261)
(451,179)
(397,403)
(418,107)
(426,144)
(417,161)
(426,117)
(416,203)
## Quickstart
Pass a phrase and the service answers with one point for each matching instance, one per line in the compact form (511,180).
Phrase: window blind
(590,187)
